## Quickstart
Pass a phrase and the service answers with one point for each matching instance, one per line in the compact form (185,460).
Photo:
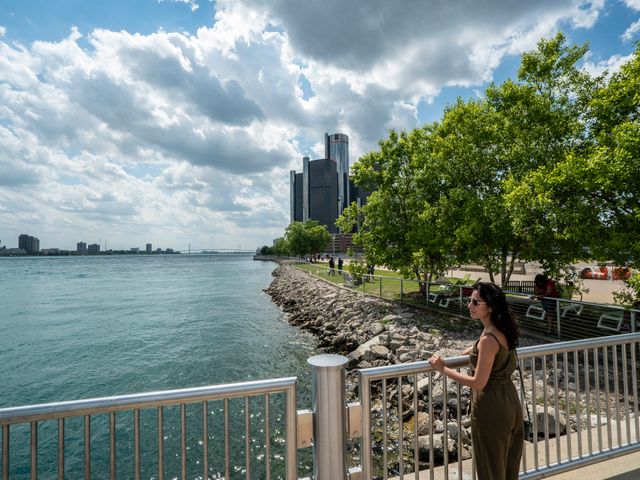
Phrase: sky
(176,122)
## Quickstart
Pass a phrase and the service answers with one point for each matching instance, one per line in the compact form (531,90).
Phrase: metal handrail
(77,408)
(614,357)
(60,411)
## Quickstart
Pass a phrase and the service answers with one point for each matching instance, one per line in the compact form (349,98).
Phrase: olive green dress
(497,428)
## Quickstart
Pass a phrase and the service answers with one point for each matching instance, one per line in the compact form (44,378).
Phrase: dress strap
(489,333)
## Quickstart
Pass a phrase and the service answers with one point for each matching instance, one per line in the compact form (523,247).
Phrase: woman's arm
(467,350)
(487,349)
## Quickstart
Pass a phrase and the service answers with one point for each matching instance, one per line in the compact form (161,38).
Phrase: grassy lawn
(386,284)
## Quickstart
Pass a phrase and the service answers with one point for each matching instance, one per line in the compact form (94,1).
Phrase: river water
(82,327)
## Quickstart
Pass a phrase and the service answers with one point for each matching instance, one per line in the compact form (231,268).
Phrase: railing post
(558,317)
(329,417)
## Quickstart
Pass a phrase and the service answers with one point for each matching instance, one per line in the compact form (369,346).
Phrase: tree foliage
(306,239)
(542,168)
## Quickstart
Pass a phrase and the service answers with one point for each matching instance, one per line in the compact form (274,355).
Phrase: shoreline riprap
(373,332)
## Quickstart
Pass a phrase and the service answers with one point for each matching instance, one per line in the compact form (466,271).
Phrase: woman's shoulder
(496,338)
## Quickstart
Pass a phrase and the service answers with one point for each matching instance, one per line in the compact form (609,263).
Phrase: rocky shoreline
(369,331)
(373,332)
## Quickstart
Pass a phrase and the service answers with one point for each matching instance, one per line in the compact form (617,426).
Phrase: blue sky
(176,121)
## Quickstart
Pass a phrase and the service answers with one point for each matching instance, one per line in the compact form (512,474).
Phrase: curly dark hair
(501,315)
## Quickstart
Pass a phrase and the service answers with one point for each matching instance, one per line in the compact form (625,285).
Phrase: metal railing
(557,318)
(582,395)
(52,464)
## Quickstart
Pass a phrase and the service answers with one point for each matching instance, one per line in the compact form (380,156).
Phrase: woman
(497,427)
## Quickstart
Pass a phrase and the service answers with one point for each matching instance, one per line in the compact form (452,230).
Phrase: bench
(611,321)
(535,311)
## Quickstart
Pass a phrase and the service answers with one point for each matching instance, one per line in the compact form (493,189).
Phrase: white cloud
(175,136)
(631,31)
(608,66)
(3,31)
(633,4)
(192,3)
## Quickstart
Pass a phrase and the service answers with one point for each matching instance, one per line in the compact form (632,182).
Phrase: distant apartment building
(135,249)
(93,249)
(81,247)
(28,243)
(342,243)
(149,248)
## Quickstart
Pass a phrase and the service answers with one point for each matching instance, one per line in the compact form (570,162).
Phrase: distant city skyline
(178,121)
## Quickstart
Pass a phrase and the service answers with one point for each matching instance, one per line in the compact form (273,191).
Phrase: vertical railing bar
(267,434)
(416,450)
(33,440)
(607,395)
(459,420)
(523,402)
(365,440)
(576,374)
(112,445)
(136,444)
(5,452)
(401,427)
(545,401)
(385,444)
(534,414)
(558,327)
(626,393)
(634,380)
(205,439)
(431,460)
(445,415)
(587,387)
(556,406)
(596,371)
(616,393)
(161,443)
(291,463)
(183,440)
(61,449)
(565,357)
(227,456)
(247,438)
(87,447)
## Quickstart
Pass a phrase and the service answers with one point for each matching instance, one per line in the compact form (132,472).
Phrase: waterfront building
(81,247)
(29,243)
(93,249)
(296,196)
(336,148)
(321,191)
(342,243)
(149,248)
(135,249)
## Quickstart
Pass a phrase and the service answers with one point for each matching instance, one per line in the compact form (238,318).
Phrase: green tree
(547,127)
(306,239)
(396,226)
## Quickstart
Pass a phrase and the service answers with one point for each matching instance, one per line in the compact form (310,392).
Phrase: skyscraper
(336,148)
(321,191)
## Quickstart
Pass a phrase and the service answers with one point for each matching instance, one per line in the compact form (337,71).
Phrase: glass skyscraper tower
(336,148)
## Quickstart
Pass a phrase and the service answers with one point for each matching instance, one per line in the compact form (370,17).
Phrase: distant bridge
(214,250)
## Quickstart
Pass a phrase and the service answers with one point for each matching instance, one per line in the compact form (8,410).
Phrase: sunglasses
(475,302)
